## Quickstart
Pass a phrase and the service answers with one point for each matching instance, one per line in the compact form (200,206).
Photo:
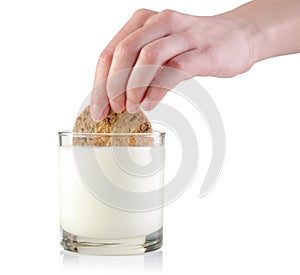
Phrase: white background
(248,224)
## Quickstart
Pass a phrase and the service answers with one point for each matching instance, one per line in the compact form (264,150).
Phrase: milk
(84,214)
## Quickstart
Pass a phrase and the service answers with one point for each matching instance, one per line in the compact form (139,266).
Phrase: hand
(198,46)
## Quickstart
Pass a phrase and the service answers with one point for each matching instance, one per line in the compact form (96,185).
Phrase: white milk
(82,214)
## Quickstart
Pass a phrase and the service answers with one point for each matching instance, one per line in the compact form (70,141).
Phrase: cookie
(122,122)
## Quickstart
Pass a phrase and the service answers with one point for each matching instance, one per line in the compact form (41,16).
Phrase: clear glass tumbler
(111,192)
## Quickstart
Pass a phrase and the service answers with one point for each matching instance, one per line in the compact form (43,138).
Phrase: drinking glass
(111,192)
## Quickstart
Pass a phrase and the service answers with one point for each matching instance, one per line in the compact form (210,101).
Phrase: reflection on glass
(148,262)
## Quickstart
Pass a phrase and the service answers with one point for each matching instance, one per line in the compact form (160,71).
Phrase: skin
(223,45)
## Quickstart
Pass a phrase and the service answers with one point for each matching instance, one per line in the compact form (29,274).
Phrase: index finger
(137,20)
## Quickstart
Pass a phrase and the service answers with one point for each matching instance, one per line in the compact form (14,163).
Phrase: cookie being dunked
(120,123)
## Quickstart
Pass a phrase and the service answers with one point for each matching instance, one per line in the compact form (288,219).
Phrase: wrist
(272,27)
(251,35)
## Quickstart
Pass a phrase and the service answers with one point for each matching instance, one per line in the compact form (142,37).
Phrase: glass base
(90,246)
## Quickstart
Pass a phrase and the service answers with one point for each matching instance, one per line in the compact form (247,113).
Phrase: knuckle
(140,13)
(168,15)
(132,95)
(124,49)
(106,56)
(150,54)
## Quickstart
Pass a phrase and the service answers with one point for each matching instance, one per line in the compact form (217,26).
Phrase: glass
(111,192)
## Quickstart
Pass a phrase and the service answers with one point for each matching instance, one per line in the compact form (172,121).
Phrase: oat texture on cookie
(120,123)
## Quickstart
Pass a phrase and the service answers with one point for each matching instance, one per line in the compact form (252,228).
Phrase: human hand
(195,45)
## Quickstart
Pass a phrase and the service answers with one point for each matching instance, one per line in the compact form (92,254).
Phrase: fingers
(99,111)
(181,67)
(104,62)
(136,21)
(132,60)
(155,54)
(128,52)
(125,56)
(184,45)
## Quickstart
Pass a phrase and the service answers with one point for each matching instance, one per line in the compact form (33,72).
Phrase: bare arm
(275,26)
(223,45)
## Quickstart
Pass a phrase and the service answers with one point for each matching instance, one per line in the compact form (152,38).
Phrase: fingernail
(131,107)
(95,113)
(116,106)
(147,105)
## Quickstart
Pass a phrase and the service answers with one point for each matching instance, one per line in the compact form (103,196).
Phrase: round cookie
(122,122)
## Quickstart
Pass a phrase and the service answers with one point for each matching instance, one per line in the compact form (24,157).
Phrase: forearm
(274,26)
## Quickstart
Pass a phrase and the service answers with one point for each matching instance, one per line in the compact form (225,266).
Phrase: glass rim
(154,134)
